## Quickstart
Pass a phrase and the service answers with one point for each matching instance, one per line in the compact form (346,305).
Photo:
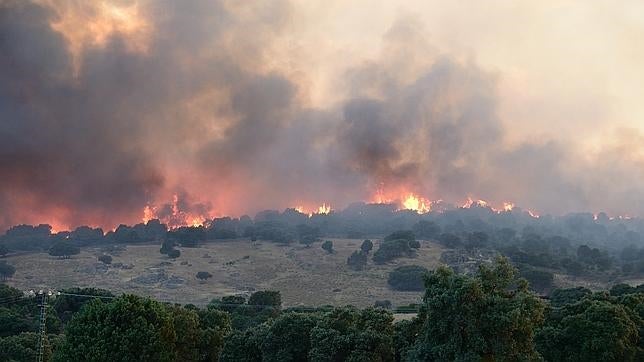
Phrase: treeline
(576,244)
(491,315)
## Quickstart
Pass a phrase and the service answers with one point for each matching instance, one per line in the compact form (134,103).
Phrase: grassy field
(304,276)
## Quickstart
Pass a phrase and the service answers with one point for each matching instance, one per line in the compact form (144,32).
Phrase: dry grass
(304,276)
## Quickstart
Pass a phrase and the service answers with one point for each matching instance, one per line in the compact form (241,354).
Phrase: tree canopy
(488,316)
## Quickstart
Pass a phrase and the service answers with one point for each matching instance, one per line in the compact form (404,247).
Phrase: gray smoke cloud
(96,138)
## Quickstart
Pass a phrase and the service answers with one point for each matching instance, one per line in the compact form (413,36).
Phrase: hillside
(304,276)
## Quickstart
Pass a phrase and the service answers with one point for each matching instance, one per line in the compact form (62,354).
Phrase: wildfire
(173,216)
(474,203)
(418,204)
(508,206)
(324,209)
(532,213)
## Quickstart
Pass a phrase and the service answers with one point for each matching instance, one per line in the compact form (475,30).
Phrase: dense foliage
(486,317)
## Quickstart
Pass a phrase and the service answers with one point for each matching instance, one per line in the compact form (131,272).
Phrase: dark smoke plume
(95,136)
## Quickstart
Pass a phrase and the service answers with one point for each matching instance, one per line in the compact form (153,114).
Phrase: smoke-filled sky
(206,108)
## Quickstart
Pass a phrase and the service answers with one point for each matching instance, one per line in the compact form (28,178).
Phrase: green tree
(287,338)
(67,305)
(129,328)
(560,297)
(489,316)
(15,320)
(591,330)
(349,334)
(64,249)
(215,326)
(23,347)
(244,346)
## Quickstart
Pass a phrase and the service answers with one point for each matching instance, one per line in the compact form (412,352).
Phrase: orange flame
(416,203)
(178,217)
(324,209)
(508,206)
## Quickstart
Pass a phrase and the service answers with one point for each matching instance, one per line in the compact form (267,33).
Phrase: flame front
(324,209)
(416,203)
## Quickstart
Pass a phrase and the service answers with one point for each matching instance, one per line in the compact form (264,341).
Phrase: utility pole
(43,329)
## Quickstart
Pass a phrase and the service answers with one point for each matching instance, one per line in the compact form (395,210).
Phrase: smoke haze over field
(222,107)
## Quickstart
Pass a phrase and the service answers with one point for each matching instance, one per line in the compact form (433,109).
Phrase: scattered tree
(391,249)
(6,271)
(105,259)
(407,278)
(357,260)
(366,246)
(328,246)
(203,275)
(64,249)
(266,298)
(3,250)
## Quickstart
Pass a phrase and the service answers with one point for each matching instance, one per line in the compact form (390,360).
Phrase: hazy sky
(112,106)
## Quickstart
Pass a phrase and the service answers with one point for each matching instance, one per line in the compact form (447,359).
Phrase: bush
(174,253)
(357,260)
(408,278)
(105,259)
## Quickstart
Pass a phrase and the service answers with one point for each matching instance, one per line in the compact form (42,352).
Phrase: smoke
(112,107)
